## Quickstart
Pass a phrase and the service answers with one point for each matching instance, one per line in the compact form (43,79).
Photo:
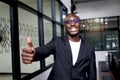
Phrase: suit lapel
(69,52)
(68,49)
(81,51)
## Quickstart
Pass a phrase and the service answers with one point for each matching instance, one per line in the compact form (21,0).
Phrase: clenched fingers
(27,55)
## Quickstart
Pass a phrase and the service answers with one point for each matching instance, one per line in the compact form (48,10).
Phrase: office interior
(41,20)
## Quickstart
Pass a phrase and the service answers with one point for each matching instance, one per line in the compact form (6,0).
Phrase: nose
(72,23)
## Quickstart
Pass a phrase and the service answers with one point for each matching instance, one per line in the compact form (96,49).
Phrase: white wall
(103,8)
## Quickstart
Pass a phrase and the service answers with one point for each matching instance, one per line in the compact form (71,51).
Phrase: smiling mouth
(73,29)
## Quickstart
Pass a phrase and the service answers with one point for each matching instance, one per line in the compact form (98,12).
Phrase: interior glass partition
(103,33)
(110,40)
(47,8)
(58,30)
(57,11)
(5,43)
(31,3)
(28,27)
(48,35)
(26,21)
(111,22)
(95,39)
(47,31)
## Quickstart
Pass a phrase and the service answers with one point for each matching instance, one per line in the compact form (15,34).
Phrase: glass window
(47,8)
(48,33)
(111,22)
(101,32)
(94,24)
(47,37)
(5,42)
(49,60)
(31,3)
(110,40)
(58,30)
(64,13)
(28,27)
(57,7)
(95,39)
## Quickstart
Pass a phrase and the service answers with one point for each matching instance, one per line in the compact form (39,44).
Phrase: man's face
(72,25)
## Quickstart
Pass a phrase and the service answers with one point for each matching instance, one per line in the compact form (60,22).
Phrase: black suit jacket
(63,69)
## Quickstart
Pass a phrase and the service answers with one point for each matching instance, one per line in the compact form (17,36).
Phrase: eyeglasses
(70,21)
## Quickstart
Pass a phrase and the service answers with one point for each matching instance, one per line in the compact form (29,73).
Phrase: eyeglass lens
(75,21)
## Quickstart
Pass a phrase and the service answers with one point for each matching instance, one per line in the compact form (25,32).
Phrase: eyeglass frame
(70,21)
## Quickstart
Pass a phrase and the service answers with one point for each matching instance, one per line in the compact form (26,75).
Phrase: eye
(76,20)
(68,21)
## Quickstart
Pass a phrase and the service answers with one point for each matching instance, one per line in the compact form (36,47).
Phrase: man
(74,58)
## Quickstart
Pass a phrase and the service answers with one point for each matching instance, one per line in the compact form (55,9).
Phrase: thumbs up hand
(28,53)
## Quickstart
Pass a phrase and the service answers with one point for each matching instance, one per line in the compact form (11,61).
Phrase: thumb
(29,43)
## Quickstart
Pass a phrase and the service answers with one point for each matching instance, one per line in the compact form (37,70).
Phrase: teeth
(73,29)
